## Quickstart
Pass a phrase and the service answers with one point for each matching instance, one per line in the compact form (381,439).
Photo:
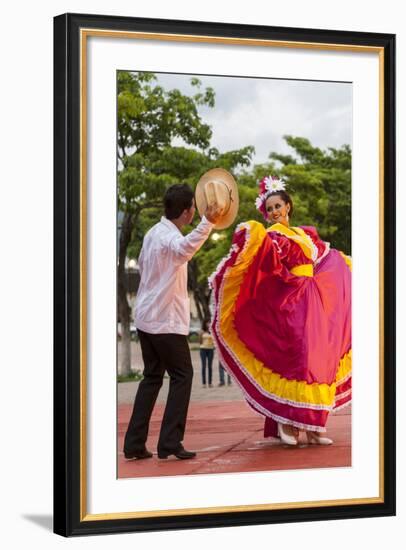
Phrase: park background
(171,128)
(26,290)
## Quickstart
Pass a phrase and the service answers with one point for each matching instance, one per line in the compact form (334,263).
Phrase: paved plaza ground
(226,434)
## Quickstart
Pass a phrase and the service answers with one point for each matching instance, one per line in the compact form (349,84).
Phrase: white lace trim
(259,410)
(234,248)
(343,406)
(326,251)
(341,396)
(342,380)
(283,420)
(246,226)
(278,248)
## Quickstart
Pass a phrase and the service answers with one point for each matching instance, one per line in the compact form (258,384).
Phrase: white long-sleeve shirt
(162,304)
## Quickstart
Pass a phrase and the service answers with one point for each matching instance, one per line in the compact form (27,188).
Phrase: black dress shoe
(139,455)
(180,453)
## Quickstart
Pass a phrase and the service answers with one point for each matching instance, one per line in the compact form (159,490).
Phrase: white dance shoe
(286,437)
(314,438)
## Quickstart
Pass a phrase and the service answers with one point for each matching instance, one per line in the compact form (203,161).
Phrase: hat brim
(218,174)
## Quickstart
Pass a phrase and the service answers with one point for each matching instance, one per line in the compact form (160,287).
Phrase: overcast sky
(260,111)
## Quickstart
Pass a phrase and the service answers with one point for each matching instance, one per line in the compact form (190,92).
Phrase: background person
(222,375)
(206,354)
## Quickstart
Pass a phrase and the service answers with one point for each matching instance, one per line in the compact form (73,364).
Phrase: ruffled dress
(282,323)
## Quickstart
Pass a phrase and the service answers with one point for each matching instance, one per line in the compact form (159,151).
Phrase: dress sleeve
(274,253)
(281,245)
(252,245)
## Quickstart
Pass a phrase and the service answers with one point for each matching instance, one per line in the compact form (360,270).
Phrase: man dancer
(162,320)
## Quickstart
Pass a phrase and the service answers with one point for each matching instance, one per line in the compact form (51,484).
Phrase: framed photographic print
(224,274)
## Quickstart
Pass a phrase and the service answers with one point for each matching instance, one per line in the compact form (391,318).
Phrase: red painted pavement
(228,437)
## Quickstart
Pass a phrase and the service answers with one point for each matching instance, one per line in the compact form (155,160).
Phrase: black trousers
(160,353)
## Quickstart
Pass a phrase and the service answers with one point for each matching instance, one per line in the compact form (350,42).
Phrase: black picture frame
(69,518)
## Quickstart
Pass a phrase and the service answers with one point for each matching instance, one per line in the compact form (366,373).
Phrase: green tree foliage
(320,185)
(149,119)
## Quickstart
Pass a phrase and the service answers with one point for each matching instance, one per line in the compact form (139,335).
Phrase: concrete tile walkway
(228,437)
(226,434)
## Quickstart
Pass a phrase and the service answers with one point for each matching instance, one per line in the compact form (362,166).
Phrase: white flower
(259,200)
(274,185)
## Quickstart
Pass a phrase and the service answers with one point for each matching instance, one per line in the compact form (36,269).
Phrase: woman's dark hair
(178,197)
(284,196)
(205,325)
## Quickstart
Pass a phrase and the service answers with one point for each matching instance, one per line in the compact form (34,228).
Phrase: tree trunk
(200,291)
(125,356)
(202,297)
(124,309)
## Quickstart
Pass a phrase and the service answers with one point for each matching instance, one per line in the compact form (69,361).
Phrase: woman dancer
(282,322)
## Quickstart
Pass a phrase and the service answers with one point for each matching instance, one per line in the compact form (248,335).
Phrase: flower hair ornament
(267,186)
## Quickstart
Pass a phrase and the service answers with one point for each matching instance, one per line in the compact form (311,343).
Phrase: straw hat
(218,186)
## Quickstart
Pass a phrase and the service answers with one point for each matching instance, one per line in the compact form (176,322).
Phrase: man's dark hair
(177,198)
